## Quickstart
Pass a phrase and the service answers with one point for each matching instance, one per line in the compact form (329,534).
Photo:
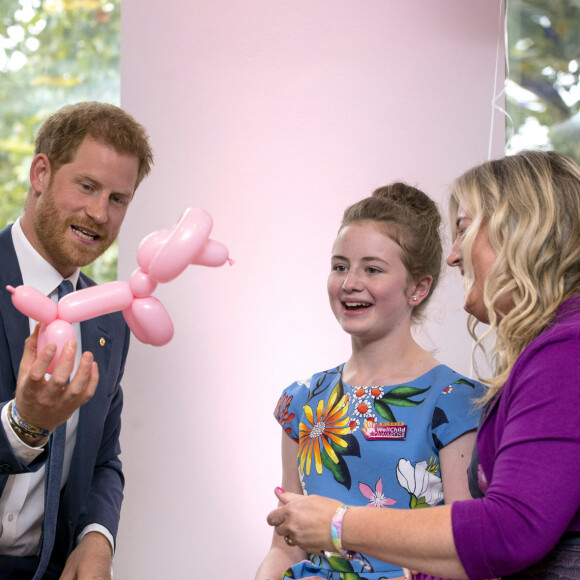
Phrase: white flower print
(424,487)
(362,407)
(354,424)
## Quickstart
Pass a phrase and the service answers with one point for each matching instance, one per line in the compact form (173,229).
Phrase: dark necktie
(53,478)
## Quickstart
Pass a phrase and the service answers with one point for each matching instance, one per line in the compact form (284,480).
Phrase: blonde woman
(516,223)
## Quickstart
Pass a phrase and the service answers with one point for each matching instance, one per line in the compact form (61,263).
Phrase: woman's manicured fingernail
(280,490)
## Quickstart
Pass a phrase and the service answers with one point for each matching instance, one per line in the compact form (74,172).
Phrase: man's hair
(62,133)
(530,204)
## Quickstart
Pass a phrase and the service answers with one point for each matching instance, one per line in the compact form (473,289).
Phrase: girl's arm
(281,556)
(454,459)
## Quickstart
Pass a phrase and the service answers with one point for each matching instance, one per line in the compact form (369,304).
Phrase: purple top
(529,452)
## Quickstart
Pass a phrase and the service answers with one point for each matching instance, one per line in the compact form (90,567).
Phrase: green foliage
(52,52)
(544,59)
(418,503)
(397,397)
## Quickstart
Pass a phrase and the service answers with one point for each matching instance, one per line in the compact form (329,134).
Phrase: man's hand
(47,404)
(90,560)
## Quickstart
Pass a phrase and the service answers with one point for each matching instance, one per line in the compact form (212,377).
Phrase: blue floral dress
(375,446)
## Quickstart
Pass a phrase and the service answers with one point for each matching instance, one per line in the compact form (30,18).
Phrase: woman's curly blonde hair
(530,203)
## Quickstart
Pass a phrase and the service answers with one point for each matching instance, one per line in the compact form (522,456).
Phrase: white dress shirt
(22,502)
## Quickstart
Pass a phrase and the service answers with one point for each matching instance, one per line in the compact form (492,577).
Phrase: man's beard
(53,234)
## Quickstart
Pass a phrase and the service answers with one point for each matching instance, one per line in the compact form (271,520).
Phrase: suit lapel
(97,335)
(16,325)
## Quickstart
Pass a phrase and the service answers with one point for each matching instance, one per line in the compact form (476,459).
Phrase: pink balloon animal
(162,256)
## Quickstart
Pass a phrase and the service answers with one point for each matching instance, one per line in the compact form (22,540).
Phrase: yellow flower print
(329,424)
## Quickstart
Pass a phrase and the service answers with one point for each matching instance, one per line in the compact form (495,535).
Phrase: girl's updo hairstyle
(412,220)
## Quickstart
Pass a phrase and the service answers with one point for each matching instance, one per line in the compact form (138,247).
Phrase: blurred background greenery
(54,52)
(542,89)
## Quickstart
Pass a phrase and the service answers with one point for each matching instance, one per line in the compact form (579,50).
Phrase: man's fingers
(65,364)
(38,362)
(86,378)
(94,379)
(47,401)
(30,349)
(33,338)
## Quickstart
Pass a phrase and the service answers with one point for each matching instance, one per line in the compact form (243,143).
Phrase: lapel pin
(384,431)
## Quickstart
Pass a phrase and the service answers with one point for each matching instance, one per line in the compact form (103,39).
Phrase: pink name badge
(384,431)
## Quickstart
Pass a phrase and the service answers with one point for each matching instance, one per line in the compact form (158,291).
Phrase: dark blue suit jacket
(94,490)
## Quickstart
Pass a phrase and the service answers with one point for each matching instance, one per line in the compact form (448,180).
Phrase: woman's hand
(305,520)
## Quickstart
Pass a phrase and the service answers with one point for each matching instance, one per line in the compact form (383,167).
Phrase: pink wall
(273,116)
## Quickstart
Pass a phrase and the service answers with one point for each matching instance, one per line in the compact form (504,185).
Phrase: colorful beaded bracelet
(336,536)
(336,527)
(22,426)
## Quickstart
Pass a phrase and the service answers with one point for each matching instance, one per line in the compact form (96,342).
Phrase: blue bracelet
(21,425)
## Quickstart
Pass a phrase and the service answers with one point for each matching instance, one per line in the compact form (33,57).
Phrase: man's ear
(40,173)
